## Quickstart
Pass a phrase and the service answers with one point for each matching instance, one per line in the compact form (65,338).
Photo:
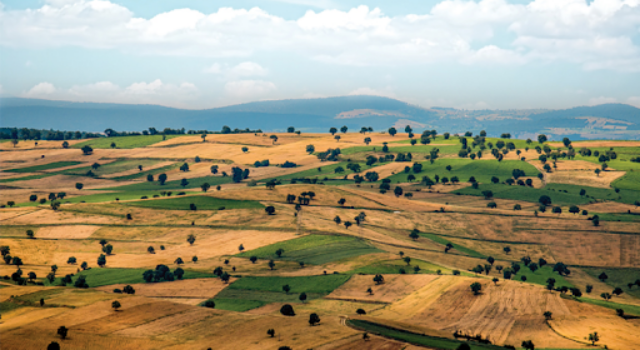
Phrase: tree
(108,249)
(367,140)
(603,277)
(397,191)
(205,187)
(271,264)
(115,305)
(370,291)
(544,200)
(333,131)
(79,185)
(102,260)
(87,150)
(287,310)
(84,265)
(547,315)
(542,138)
(191,239)
(310,149)
(178,261)
(313,319)
(225,277)
(302,297)
(62,332)
(407,260)
(617,291)
(184,182)
(30,234)
(279,252)
(274,138)
(476,288)
(415,234)
(605,296)
(71,260)
(506,250)
(594,338)
(528,345)
(162,178)
(347,224)
(379,279)
(270,210)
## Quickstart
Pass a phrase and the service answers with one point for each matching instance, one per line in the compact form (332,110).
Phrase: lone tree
(210,304)
(271,332)
(415,234)
(287,310)
(286,288)
(476,288)
(53,345)
(62,332)
(115,305)
(191,239)
(593,338)
(547,315)
(270,210)
(528,345)
(303,297)
(313,319)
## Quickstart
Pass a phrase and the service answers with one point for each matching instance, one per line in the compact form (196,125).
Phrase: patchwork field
(225,249)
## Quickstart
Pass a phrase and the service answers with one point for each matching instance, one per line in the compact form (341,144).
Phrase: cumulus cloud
(242,70)
(154,92)
(42,89)
(245,89)
(601,34)
(601,100)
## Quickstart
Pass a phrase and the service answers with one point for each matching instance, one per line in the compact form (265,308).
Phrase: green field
(629,181)
(97,277)
(42,167)
(525,193)
(314,249)
(201,202)
(628,309)
(482,170)
(93,197)
(173,184)
(118,166)
(618,277)
(143,174)
(239,305)
(459,248)
(25,178)
(124,141)
(415,338)
(624,196)
(326,171)
(269,289)
(541,276)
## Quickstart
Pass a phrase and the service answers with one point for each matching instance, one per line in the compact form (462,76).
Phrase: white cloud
(154,92)
(601,100)
(42,89)
(242,70)
(633,100)
(600,34)
(215,68)
(248,89)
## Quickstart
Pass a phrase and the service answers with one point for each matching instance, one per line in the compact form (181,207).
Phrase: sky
(488,54)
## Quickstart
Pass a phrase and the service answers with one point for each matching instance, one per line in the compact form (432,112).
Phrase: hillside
(609,121)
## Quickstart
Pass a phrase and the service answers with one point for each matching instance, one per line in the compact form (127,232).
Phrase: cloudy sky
(202,54)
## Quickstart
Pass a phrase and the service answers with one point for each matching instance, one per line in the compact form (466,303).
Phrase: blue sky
(202,54)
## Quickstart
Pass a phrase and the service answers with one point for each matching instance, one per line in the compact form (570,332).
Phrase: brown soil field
(43,145)
(74,232)
(196,288)
(395,287)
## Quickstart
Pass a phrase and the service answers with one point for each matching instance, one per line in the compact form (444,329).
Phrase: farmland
(214,255)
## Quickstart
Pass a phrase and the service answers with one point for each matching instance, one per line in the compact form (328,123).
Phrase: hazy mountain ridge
(318,115)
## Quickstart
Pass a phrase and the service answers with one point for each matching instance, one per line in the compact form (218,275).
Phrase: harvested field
(194,288)
(395,287)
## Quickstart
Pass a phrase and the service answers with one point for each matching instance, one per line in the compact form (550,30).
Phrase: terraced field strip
(201,202)
(457,247)
(49,166)
(314,249)
(415,338)
(125,141)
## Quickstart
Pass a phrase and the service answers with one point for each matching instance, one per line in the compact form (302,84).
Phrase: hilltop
(608,121)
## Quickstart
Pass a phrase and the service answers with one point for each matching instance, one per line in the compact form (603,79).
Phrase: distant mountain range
(607,121)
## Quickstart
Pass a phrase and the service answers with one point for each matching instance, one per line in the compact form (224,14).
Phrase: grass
(97,277)
(43,167)
(623,217)
(144,173)
(618,277)
(624,196)
(201,203)
(239,305)
(173,185)
(327,171)
(628,309)
(415,338)
(461,249)
(98,198)
(482,170)
(314,249)
(525,193)
(25,178)
(114,167)
(541,276)
(124,141)
(629,181)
